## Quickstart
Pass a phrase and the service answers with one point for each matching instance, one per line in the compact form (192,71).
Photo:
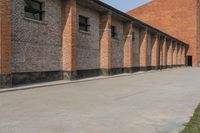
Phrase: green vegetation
(194,125)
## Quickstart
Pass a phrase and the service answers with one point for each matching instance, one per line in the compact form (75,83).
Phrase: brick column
(183,55)
(128,47)
(105,43)
(161,41)
(175,54)
(155,52)
(164,53)
(179,54)
(69,38)
(170,55)
(5,44)
(143,49)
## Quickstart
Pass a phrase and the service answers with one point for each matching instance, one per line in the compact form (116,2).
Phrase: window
(133,35)
(33,9)
(113,31)
(83,23)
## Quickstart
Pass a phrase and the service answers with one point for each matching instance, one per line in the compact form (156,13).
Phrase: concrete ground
(153,102)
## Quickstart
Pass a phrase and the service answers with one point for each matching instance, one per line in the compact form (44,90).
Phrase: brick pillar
(179,54)
(177,58)
(183,55)
(143,49)
(5,44)
(175,54)
(164,53)
(155,52)
(128,47)
(105,43)
(69,38)
(170,55)
(161,41)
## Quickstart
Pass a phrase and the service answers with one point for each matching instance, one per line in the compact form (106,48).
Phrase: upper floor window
(34,9)
(83,23)
(113,31)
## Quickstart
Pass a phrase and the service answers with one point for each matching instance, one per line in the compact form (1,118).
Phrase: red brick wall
(198,30)
(5,37)
(175,17)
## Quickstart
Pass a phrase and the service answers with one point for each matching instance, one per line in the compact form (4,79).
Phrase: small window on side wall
(83,23)
(133,36)
(113,31)
(34,9)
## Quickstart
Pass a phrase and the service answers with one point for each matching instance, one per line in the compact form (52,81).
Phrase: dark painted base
(35,77)
(183,66)
(128,70)
(16,79)
(148,68)
(143,68)
(69,75)
(163,67)
(135,69)
(115,71)
(169,66)
(105,72)
(5,81)
(180,65)
(175,66)
(155,67)
(132,70)
(88,73)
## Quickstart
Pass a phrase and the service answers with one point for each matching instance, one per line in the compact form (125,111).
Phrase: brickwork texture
(56,48)
(179,18)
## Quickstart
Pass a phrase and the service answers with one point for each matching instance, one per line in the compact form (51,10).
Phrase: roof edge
(136,20)
(140,6)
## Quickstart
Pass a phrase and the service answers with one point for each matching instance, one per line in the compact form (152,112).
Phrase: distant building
(179,18)
(48,40)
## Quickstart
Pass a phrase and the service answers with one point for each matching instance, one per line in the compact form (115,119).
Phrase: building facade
(48,40)
(179,18)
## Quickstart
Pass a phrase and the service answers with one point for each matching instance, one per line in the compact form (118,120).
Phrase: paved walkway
(156,102)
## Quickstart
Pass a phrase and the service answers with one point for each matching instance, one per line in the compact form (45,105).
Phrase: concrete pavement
(156,102)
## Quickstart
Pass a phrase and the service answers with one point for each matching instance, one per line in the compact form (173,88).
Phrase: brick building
(47,40)
(179,18)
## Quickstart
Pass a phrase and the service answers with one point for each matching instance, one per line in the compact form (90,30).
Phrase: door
(189,60)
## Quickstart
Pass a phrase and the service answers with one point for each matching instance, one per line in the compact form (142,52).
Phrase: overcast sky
(125,5)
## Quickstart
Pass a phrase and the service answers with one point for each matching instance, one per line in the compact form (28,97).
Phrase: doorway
(189,60)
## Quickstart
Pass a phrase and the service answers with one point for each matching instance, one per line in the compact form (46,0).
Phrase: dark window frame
(84,26)
(133,36)
(113,31)
(28,8)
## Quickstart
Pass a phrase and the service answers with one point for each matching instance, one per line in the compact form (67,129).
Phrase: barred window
(34,9)
(133,35)
(83,23)
(113,31)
